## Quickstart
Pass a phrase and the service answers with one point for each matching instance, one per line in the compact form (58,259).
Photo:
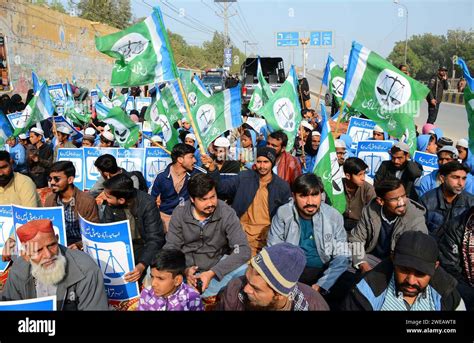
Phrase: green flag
(262,92)
(217,114)
(283,111)
(197,93)
(142,52)
(77,112)
(327,167)
(124,129)
(469,103)
(162,120)
(383,93)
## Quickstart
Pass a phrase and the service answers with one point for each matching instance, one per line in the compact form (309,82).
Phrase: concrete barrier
(453,98)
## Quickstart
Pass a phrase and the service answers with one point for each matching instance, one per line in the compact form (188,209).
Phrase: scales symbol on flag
(338,86)
(165,127)
(130,46)
(192,98)
(284,113)
(392,90)
(206,115)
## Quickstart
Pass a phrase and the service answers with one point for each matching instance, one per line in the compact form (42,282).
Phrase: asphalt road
(452,118)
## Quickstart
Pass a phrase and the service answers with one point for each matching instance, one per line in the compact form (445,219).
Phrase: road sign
(321,38)
(285,39)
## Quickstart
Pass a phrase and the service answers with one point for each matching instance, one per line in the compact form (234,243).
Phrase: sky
(376,24)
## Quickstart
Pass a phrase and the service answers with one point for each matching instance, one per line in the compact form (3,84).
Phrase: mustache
(406,284)
(310,206)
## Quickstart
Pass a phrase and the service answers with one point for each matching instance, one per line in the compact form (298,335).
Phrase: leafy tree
(116,13)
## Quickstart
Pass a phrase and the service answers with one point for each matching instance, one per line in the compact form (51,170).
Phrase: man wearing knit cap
(271,284)
(464,153)
(256,195)
(63,134)
(223,162)
(286,166)
(106,139)
(409,280)
(47,269)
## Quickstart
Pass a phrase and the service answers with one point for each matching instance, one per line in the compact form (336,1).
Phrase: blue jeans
(215,286)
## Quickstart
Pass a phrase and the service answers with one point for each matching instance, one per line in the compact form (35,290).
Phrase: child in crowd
(168,291)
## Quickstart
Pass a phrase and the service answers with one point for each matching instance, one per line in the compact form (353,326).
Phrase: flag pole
(156,143)
(193,124)
(339,118)
(319,95)
(303,161)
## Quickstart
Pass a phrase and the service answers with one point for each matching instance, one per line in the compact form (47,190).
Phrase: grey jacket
(82,289)
(206,246)
(365,235)
(329,233)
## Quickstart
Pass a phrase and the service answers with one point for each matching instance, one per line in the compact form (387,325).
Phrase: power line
(195,21)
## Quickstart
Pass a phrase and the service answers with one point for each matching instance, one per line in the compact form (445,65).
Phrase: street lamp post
(406,26)
(304,42)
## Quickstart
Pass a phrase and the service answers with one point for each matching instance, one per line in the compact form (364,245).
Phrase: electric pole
(225,15)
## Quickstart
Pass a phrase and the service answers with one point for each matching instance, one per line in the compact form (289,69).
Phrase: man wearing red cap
(47,268)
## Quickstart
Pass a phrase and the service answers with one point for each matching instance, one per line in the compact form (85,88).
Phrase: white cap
(107,127)
(463,143)
(184,120)
(222,142)
(108,135)
(307,125)
(64,129)
(339,143)
(22,136)
(191,135)
(37,130)
(89,131)
(157,139)
(378,129)
(315,133)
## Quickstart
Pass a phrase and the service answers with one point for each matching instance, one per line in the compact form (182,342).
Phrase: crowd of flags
(143,55)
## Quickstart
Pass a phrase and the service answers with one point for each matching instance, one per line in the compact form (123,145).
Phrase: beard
(5,179)
(249,306)
(51,275)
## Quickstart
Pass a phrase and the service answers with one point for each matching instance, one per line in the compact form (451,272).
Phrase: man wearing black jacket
(401,168)
(437,85)
(125,202)
(457,254)
(411,280)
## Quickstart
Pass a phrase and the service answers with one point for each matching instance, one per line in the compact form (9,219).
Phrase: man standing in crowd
(74,201)
(437,85)
(63,134)
(315,227)
(271,284)
(383,220)
(400,167)
(449,200)
(286,166)
(18,154)
(411,280)
(40,159)
(358,192)
(256,195)
(48,269)
(209,233)
(125,202)
(170,187)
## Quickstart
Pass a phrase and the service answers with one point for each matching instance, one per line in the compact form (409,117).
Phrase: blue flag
(465,71)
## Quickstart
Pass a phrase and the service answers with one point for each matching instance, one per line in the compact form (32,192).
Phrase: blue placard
(429,162)
(130,159)
(58,96)
(142,102)
(6,230)
(287,39)
(374,153)
(129,104)
(76,156)
(326,38)
(227,57)
(36,304)
(90,155)
(22,215)
(63,121)
(315,38)
(156,159)
(110,247)
(360,130)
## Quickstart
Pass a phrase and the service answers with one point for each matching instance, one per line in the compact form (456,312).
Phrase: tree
(53,4)
(116,13)
(427,52)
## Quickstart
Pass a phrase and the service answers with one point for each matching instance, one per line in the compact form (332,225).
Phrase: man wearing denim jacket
(317,228)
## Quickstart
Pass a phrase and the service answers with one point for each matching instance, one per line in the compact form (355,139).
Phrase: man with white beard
(47,268)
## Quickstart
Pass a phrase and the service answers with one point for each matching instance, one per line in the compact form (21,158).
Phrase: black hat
(417,250)
(443,68)
(444,141)
(267,152)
